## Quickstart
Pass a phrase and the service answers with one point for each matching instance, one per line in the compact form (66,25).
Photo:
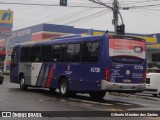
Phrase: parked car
(1,77)
(153,84)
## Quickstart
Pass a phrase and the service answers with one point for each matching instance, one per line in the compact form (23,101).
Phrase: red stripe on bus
(50,76)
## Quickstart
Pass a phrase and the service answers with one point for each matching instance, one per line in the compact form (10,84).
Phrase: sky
(143,16)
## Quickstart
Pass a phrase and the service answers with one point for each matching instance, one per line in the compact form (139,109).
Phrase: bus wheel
(64,88)
(22,84)
(97,95)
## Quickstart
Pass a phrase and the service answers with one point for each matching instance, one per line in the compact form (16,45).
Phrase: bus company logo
(138,49)
(128,72)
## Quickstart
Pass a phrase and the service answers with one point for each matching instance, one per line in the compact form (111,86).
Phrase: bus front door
(14,67)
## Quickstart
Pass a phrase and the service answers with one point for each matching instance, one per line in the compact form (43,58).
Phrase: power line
(29,4)
(70,16)
(142,6)
(63,17)
(36,4)
(145,13)
(138,2)
(86,17)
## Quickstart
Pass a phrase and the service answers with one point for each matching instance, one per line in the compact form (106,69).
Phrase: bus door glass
(14,64)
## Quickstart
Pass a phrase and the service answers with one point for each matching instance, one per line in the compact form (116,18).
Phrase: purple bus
(88,64)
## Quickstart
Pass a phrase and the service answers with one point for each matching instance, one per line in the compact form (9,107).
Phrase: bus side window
(85,55)
(25,54)
(59,53)
(46,53)
(56,53)
(90,52)
(35,54)
(63,53)
(77,53)
(95,52)
(70,53)
(73,52)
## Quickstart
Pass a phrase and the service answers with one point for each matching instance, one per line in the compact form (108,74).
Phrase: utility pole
(115,15)
(119,29)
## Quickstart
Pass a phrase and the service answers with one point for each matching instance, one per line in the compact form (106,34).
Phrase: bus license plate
(126,81)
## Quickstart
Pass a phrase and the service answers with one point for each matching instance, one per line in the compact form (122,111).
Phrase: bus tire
(97,95)
(22,84)
(63,87)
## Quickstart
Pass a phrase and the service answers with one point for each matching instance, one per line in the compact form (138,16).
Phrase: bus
(81,64)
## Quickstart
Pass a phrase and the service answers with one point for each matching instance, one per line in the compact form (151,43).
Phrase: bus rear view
(126,71)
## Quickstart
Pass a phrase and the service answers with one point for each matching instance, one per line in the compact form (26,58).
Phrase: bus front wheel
(97,95)
(63,87)
(23,86)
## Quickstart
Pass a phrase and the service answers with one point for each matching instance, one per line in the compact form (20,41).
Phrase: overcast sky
(143,17)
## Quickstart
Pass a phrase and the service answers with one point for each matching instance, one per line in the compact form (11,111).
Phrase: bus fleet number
(95,69)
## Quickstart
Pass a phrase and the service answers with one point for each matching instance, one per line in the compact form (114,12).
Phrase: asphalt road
(41,100)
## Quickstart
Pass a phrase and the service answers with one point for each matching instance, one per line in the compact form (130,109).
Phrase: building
(49,31)
(34,33)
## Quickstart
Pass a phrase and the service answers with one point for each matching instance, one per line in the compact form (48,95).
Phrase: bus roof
(69,38)
(74,38)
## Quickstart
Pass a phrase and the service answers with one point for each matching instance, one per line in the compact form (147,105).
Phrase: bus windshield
(127,50)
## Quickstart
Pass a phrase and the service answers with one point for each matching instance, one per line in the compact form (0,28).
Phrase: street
(40,100)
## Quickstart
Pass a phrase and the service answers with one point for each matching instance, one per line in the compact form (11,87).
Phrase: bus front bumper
(122,87)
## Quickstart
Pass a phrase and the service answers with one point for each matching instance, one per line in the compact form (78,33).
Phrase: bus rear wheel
(63,87)
(23,86)
(97,95)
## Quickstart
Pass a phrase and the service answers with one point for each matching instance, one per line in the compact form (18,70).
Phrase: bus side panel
(59,70)
(86,77)
(45,75)
(81,77)
(25,68)
(35,70)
